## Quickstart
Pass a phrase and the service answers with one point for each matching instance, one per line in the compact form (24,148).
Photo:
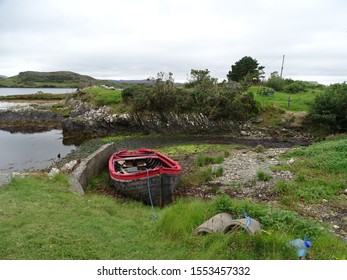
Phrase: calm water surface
(20,91)
(20,152)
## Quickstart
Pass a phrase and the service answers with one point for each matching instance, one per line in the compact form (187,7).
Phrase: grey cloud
(137,39)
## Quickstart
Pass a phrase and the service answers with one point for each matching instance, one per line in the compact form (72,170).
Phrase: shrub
(295,87)
(266,91)
(275,82)
(219,172)
(329,109)
(201,95)
(262,176)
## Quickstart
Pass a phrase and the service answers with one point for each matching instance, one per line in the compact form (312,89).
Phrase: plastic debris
(302,246)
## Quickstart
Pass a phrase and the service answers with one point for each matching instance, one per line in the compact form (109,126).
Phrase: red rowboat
(145,175)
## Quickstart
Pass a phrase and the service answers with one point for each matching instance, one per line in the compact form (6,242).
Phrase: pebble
(243,165)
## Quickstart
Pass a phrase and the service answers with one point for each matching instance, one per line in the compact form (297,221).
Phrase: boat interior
(135,164)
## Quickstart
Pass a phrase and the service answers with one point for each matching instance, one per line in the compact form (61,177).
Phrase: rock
(258,120)
(70,166)
(336,227)
(4,178)
(54,171)
(28,116)
(291,161)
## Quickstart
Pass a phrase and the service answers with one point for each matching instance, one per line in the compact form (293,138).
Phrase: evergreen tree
(246,68)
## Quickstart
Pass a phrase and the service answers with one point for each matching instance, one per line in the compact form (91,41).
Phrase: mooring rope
(150,196)
(248,219)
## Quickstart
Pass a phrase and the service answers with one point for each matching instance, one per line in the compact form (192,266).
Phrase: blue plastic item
(302,246)
(248,219)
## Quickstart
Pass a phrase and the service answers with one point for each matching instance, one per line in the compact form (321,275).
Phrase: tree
(246,68)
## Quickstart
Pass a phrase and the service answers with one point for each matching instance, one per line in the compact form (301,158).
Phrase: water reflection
(5,105)
(24,151)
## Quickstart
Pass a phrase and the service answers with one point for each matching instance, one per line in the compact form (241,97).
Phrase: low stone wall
(90,167)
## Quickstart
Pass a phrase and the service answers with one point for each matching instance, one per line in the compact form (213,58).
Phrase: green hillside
(48,80)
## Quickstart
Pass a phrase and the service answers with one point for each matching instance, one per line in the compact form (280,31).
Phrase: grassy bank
(320,173)
(41,218)
(298,101)
(98,97)
(34,97)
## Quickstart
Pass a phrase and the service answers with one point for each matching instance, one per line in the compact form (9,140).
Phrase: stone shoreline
(85,121)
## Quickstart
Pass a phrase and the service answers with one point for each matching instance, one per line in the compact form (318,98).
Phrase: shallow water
(20,151)
(5,105)
(21,91)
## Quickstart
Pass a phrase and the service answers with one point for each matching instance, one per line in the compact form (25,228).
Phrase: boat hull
(153,190)
(145,175)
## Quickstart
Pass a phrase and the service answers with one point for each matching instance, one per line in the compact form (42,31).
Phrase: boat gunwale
(173,169)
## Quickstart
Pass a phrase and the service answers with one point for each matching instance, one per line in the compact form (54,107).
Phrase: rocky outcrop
(28,119)
(102,121)
(87,121)
(182,123)
(28,114)
(95,122)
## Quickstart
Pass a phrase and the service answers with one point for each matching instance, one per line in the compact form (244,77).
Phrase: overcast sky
(136,39)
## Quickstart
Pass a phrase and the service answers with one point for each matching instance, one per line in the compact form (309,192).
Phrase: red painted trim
(173,169)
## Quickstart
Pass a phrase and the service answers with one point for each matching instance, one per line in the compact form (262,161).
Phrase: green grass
(42,219)
(184,149)
(263,176)
(101,96)
(204,160)
(298,101)
(321,172)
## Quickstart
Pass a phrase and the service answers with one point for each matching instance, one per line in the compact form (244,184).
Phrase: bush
(276,82)
(201,95)
(295,87)
(266,91)
(329,109)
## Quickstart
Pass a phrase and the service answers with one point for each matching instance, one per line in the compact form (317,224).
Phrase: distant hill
(48,80)
(130,81)
(3,77)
